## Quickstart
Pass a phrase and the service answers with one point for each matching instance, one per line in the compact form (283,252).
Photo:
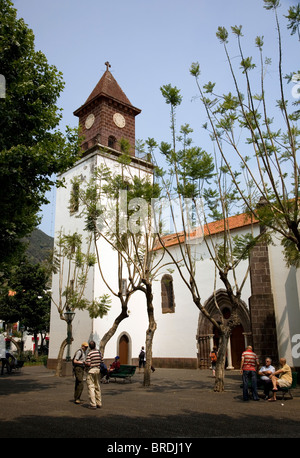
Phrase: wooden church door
(123,349)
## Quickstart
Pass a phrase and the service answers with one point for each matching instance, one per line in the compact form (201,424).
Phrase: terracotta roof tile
(213,228)
(107,85)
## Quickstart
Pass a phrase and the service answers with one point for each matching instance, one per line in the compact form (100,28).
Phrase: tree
(189,170)
(269,133)
(117,208)
(72,266)
(27,299)
(32,149)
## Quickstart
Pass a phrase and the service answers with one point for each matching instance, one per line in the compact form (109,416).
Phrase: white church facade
(270,317)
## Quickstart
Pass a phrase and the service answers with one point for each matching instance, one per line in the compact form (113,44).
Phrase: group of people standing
(92,362)
(88,360)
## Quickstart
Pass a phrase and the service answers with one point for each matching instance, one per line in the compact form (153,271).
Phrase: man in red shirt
(249,364)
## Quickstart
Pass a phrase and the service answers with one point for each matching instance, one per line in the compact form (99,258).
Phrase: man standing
(142,359)
(79,365)
(93,361)
(249,364)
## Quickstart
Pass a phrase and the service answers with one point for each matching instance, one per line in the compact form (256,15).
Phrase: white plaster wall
(286,291)
(136,324)
(176,332)
(69,224)
(85,328)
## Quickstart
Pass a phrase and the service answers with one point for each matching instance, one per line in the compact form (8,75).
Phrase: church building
(269,317)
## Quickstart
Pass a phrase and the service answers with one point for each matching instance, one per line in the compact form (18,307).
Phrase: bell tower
(107,115)
(105,118)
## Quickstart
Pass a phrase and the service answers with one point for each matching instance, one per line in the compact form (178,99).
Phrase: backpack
(73,364)
(142,354)
(103,368)
(213,357)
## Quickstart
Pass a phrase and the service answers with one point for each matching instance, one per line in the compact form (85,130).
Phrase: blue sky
(148,43)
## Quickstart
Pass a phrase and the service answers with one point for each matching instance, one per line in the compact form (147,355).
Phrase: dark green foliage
(259,130)
(32,150)
(30,302)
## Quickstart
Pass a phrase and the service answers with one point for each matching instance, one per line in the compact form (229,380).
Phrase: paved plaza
(179,404)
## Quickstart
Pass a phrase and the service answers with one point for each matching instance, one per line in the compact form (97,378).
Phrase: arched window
(167,294)
(112,141)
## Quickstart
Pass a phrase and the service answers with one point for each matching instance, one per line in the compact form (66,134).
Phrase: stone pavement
(179,404)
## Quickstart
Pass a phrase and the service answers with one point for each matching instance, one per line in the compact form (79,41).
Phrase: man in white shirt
(265,372)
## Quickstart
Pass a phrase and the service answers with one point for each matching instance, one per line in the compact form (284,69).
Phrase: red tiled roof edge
(215,227)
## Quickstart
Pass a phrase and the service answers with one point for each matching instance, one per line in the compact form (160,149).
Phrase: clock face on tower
(89,121)
(119,120)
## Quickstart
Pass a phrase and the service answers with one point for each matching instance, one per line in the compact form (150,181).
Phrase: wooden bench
(125,372)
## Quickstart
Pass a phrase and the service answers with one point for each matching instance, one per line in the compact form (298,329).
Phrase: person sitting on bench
(285,378)
(265,373)
(114,367)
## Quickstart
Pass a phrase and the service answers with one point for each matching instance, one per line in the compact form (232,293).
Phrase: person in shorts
(285,377)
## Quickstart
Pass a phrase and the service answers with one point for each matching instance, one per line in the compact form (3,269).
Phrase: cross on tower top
(107,65)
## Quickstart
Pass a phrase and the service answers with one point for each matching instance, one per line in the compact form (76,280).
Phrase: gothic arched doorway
(207,335)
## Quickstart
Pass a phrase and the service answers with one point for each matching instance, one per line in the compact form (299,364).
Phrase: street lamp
(69,315)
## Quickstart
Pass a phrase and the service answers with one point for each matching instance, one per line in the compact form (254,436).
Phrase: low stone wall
(168,363)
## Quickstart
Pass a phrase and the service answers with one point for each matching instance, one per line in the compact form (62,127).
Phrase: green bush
(30,359)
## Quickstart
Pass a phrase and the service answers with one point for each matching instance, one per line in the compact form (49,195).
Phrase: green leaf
(171,95)
(222,34)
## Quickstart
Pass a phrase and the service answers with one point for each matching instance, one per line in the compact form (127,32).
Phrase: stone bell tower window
(112,142)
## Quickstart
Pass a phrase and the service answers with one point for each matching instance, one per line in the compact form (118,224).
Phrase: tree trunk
(60,358)
(220,366)
(108,335)
(149,335)
(36,344)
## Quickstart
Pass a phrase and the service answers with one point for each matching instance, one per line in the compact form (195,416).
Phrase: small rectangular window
(74,198)
(167,294)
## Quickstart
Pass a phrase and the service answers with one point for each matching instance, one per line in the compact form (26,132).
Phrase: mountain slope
(40,244)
